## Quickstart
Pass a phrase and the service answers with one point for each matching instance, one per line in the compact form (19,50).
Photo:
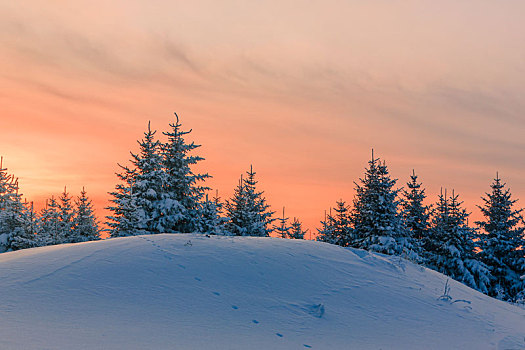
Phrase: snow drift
(176,291)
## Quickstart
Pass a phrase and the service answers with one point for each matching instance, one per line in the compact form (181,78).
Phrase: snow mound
(176,291)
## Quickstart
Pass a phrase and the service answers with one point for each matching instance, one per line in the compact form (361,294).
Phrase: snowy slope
(160,292)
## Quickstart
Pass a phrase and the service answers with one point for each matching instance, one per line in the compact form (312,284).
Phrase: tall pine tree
(376,220)
(159,192)
(450,245)
(183,192)
(502,243)
(139,201)
(416,214)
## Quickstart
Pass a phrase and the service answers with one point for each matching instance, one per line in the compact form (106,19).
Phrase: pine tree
(247,211)
(209,220)
(19,219)
(48,226)
(127,218)
(85,224)
(337,228)
(450,245)
(416,215)
(377,223)
(296,231)
(159,193)
(282,229)
(139,202)
(7,190)
(502,244)
(183,192)
(66,215)
(14,219)
(327,232)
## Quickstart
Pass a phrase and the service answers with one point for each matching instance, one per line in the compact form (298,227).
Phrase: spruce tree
(139,201)
(183,190)
(502,242)
(66,215)
(327,231)
(48,227)
(209,220)
(415,214)
(281,228)
(85,224)
(296,231)
(450,245)
(127,218)
(376,220)
(337,228)
(7,191)
(19,220)
(15,225)
(247,210)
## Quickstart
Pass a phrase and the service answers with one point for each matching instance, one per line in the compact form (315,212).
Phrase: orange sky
(301,90)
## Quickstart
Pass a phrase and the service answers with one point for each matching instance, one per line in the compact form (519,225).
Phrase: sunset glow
(303,91)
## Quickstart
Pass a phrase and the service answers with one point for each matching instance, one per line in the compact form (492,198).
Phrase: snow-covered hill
(194,292)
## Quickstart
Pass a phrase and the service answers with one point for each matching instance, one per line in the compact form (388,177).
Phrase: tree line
(488,257)
(62,220)
(158,192)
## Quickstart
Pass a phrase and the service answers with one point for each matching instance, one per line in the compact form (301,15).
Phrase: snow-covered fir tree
(139,200)
(296,231)
(282,229)
(247,210)
(337,228)
(450,247)
(15,224)
(85,224)
(376,219)
(66,216)
(416,214)
(159,192)
(127,218)
(48,227)
(209,220)
(502,243)
(22,220)
(183,192)
(7,190)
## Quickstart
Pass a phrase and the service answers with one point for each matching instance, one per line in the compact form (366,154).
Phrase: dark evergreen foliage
(416,214)
(502,243)
(296,231)
(450,246)
(337,228)
(282,229)
(247,210)
(376,219)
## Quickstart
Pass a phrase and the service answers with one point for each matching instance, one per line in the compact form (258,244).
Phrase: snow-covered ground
(194,292)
